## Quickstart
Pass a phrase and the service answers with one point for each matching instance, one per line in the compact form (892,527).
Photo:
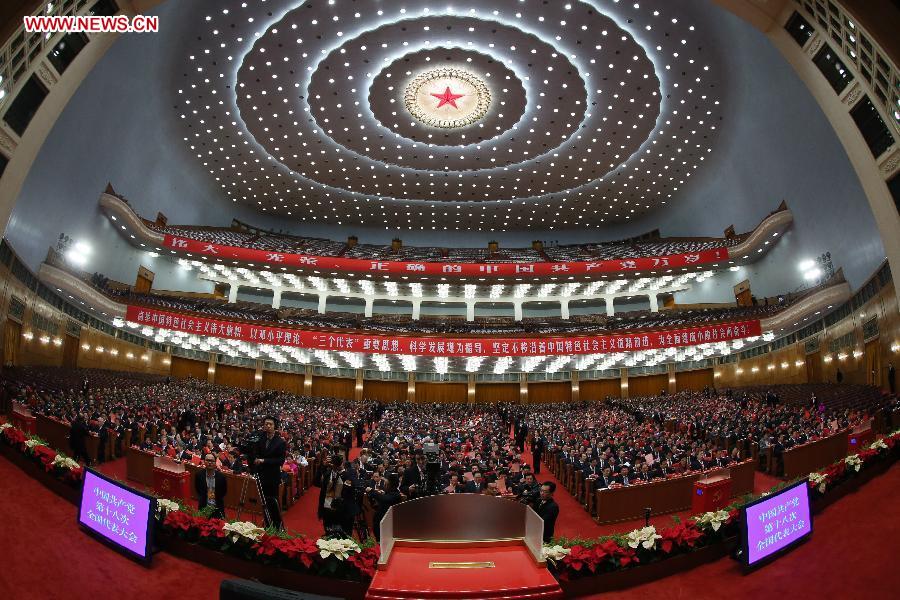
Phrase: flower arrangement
(350,560)
(244,530)
(554,553)
(341,548)
(572,559)
(878,445)
(681,536)
(64,462)
(854,461)
(645,538)
(339,558)
(13,436)
(166,506)
(818,481)
(712,520)
(53,462)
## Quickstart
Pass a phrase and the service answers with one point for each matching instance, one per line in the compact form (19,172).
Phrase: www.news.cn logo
(92,24)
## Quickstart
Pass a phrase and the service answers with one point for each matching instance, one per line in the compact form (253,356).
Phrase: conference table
(140,463)
(803,460)
(56,434)
(662,496)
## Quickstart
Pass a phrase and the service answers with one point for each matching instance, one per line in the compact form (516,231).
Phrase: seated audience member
(453,487)
(211,487)
(476,486)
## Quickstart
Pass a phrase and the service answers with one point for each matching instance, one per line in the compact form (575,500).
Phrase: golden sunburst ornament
(447,98)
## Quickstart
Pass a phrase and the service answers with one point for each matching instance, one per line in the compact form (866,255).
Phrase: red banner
(360,265)
(433,346)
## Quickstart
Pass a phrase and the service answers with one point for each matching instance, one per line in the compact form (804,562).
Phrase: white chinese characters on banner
(450,347)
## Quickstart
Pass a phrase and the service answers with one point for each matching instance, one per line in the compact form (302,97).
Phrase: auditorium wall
(385,391)
(42,338)
(182,368)
(428,392)
(599,389)
(119,355)
(493,393)
(230,375)
(794,363)
(647,385)
(694,380)
(549,391)
(281,381)
(333,387)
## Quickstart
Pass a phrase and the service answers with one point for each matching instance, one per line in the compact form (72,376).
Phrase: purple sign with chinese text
(117,514)
(776,522)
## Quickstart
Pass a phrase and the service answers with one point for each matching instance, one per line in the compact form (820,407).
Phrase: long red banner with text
(450,347)
(360,265)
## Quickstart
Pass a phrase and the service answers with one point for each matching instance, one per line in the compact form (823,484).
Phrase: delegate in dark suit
(474,487)
(221,488)
(548,510)
(78,439)
(272,453)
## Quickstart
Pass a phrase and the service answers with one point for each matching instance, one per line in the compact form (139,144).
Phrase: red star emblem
(447,97)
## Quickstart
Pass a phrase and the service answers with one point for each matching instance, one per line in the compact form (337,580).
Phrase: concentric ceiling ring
(503,106)
(631,140)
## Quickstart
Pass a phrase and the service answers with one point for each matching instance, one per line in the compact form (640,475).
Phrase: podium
(462,546)
(860,438)
(712,492)
(22,418)
(170,479)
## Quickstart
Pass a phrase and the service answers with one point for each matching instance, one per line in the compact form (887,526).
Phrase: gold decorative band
(461,565)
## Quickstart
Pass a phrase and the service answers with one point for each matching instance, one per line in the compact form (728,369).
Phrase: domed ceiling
(487,115)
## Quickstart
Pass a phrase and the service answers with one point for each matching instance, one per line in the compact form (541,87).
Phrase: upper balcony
(245,246)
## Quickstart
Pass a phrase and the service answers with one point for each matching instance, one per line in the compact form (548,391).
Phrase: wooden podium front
(462,546)
(22,418)
(170,479)
(712,492)
(860,439)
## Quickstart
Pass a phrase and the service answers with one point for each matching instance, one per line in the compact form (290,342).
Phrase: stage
(515,574)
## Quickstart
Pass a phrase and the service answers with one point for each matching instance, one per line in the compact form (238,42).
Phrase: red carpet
(45,555)
(852,554)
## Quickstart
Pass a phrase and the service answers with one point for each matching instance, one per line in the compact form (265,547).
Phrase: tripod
(360,527)
(243,498)
(267,516)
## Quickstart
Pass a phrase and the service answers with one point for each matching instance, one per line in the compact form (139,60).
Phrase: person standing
(892,381)
(548,509)
(211,487)
(337,506)
(384,499)
(77,439)
(271,452)
(537,452)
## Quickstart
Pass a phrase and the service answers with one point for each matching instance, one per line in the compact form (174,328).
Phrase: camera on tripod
(249,443)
